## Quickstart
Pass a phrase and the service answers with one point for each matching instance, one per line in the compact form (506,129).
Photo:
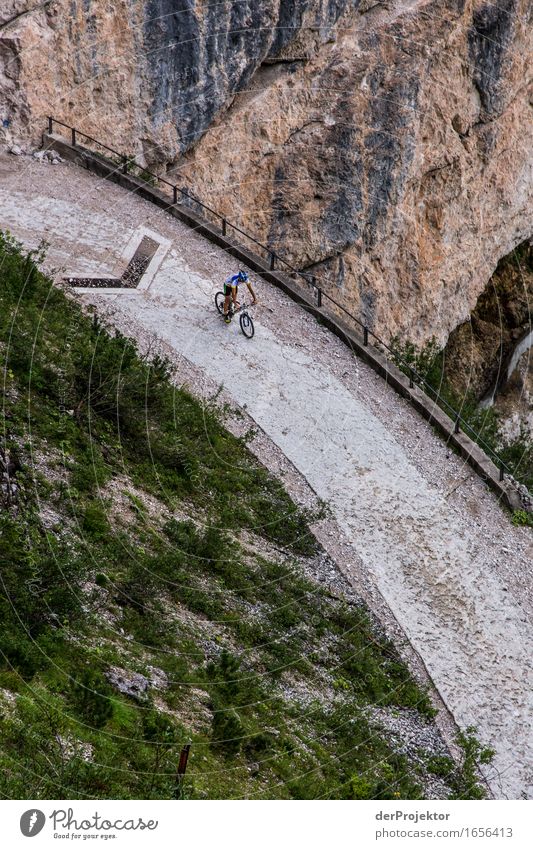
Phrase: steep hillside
(160,588)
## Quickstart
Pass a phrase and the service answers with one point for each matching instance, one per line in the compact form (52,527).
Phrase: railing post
(411,381)
(272,260)
(73,136)
(125,164)
(319,296)
(224,227)
(182,768)
(50,126)
(457,422)
(365,335)
(175,194)
(501,471)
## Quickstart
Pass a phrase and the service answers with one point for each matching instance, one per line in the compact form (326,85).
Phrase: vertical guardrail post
(224,227)
(411,381)
(457,423)
(365,335)
(319,296)
(124,164)
(501,471)
(73,137)
(50,126)
(175,194)
(272,260)
(182,769)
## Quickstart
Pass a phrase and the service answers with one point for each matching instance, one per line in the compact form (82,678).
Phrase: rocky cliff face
(143,73)
(384,146)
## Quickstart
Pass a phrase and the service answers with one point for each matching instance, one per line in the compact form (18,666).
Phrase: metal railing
(127,164)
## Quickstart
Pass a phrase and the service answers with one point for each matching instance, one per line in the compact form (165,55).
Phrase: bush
(40,577)
(522,518)
(441,765)
(95,523)
(91,698)
(227,730)
(20,654)
(361,788)
(426,361)
(465,780)
(227,676)
(481,425)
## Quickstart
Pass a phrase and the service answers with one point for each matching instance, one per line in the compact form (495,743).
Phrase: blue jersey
(234,281)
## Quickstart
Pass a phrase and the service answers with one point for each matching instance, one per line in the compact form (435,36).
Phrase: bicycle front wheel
(247,325)
(219,302)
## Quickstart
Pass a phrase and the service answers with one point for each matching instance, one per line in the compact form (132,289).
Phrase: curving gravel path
(433,540)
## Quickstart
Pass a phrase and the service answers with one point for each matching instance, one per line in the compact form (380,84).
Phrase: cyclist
(231,287)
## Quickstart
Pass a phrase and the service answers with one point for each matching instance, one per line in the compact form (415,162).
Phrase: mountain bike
(245,319)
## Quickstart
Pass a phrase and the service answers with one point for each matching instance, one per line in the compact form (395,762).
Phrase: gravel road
(427,533)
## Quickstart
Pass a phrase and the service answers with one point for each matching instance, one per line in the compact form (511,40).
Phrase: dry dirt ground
(411,526)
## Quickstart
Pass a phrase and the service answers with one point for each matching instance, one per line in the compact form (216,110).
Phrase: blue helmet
(243,277)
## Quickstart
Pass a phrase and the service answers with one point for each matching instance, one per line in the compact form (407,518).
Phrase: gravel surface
(413,528)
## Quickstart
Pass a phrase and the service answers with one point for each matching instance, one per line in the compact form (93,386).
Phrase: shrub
(40,577)
(481,425)
(91,698)
(226,674)
(441,765)
(20,654)
(522,517)
(361,788)
(227,730)
(465,781)
(95,522)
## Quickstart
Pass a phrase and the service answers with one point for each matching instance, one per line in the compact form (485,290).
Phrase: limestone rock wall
(385,145)
(147,75)
(396,162)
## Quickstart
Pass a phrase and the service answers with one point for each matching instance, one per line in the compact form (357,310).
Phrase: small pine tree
(91,698)
(227,730)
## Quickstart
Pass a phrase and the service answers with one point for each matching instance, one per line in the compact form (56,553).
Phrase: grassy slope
(145,535)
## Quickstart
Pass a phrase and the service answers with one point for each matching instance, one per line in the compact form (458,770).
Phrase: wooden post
(182,768)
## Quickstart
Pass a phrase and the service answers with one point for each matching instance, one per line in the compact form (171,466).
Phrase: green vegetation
(146,538)
(522,517)
(481,425)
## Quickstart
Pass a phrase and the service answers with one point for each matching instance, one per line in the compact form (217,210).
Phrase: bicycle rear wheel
(219,302)
(247,325)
